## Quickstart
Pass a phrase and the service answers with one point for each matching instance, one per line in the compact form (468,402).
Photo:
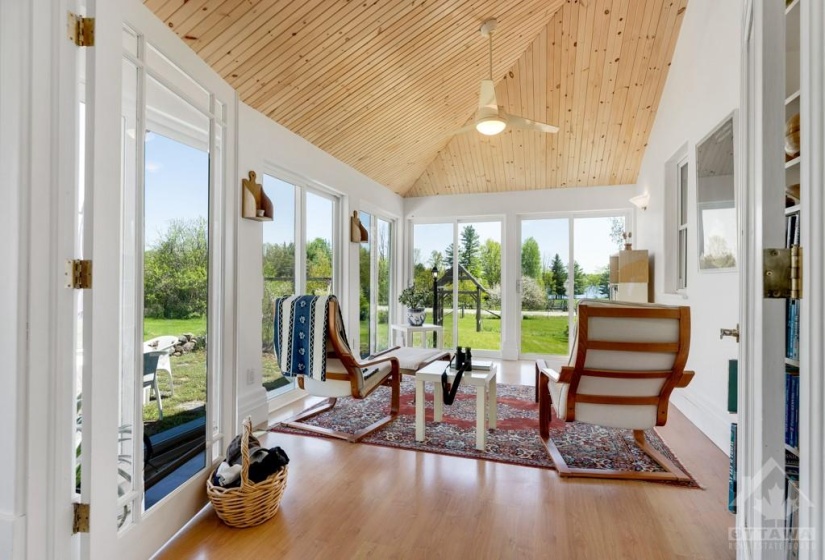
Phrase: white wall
(12,294)
(702,89)
(264,144)
(509,207)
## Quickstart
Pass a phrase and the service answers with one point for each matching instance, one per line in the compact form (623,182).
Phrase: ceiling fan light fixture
(491,125)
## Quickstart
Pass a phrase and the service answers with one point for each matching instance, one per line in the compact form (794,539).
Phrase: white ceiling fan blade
(520,122)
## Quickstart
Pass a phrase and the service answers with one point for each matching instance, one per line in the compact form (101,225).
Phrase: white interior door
(143,84)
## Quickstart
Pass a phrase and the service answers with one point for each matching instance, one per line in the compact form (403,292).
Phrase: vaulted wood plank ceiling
(383,85)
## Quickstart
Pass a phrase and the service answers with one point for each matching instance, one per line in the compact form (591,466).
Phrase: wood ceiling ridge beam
(614,60)
(637,89)
(667,35)
(426,65)
(265,49)
(248,31)
(618,103)
(654,49)
(586,151)
(187,16)
(283,61)
(361,61)
(217,22)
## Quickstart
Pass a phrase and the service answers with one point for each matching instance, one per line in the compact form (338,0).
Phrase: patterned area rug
(515,440)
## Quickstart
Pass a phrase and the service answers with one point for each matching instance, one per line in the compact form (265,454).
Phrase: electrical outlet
(250,376)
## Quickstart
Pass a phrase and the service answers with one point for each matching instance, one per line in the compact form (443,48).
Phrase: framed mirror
(716,198)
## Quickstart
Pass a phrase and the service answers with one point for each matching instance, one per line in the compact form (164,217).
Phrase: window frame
(303,186)
(682,226)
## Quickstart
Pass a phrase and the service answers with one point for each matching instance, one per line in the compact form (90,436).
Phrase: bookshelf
(794,154)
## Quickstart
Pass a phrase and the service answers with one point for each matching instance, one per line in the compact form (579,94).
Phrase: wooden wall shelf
(255,205)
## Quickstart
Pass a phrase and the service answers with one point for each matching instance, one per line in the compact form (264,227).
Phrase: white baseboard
(712,422)
(12,536)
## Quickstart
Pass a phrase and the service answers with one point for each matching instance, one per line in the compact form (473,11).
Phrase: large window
(682,224)
(298,258)
(467,294)
(556,274)
(172,154)
(375,265)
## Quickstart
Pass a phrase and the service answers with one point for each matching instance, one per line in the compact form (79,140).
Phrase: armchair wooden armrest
(564,375)
(687,377)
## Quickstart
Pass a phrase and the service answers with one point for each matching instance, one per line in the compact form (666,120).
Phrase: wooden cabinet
(629,275)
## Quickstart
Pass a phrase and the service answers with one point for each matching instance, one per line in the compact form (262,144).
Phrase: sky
(592,249)
(177,184)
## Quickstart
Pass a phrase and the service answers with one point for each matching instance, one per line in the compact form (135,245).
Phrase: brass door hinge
(80,523)
(81,30)
(78,274)
(782,273)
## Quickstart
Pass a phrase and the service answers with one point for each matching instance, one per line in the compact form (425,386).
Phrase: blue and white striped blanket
(301,325)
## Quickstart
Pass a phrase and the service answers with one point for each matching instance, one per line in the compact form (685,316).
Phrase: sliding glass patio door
(466,259)
(563,260)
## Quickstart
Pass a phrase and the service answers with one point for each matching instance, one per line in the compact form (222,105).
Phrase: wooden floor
(356,501)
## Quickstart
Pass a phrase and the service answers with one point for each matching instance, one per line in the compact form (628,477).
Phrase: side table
(483,380)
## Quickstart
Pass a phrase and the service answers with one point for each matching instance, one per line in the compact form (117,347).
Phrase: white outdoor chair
(166,346)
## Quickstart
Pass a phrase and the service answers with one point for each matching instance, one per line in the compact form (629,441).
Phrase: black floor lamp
(435,304)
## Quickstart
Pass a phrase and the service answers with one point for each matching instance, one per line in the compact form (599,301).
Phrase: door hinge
(783,272)
(80,522)
(78,274)
(81,30)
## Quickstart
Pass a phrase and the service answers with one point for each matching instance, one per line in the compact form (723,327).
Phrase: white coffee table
(483,380)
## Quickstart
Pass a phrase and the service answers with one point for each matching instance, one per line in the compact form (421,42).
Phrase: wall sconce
(358,233)
(641,201)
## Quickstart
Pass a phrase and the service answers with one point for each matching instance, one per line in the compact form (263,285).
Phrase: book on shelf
(792,408)
(733,385)
(791,519)
(792,329)
(732,471)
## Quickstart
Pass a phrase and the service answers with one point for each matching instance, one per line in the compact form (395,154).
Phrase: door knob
(729,332)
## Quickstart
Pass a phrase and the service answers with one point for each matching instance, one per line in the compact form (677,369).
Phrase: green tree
(469,255)
(559,272)
(175,271)
(319,266)
(579,279)
(532,295)
(436,260)
(448,256)
(530,258)
(491,262)
(604,282)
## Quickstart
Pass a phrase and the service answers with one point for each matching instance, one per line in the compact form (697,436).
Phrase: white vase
(415,316)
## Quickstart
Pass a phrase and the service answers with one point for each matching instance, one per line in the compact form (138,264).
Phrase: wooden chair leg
(545,405)
(671,471)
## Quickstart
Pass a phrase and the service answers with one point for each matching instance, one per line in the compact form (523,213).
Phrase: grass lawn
(189,372)
(160,327)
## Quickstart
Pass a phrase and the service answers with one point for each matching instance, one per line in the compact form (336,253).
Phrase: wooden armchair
(627,360)
(345,376)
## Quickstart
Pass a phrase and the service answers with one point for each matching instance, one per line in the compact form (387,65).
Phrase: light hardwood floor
(355,501)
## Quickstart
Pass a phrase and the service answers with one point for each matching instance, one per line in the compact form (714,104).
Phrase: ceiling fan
(491,119)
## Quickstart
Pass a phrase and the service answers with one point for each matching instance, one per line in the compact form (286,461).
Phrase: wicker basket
(249,504)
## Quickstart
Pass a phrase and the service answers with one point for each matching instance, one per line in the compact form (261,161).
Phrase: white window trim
(671,225)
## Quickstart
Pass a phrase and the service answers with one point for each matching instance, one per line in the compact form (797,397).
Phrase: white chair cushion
(335,388)
(410,360)
(631,417)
